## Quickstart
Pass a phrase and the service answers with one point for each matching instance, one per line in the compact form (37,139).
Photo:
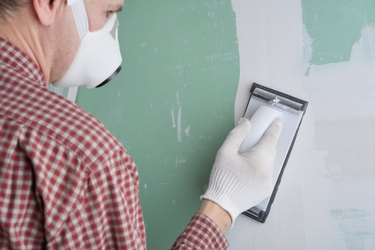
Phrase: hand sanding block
(264,106)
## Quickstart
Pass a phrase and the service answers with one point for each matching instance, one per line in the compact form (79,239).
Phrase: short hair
(7,6)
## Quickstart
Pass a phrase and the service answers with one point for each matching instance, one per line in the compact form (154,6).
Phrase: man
(65,181)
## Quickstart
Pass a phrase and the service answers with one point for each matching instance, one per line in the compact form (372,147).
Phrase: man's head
(46,29)
(9,6)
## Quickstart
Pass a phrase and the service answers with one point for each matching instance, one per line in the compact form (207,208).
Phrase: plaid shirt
(65,181)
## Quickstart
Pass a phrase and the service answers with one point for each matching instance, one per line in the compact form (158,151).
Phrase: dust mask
(98,58)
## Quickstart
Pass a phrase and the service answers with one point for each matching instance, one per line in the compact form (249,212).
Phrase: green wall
(181,60)
(334,26)
(179,57)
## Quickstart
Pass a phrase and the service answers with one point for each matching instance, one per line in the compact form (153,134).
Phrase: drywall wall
(173,103)
(321,51)
(187,70)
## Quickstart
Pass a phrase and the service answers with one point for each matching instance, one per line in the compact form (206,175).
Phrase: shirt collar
(22,63)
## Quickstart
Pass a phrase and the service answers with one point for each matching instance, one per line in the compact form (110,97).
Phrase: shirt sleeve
(201,233)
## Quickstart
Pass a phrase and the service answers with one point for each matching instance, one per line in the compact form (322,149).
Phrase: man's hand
(240,181)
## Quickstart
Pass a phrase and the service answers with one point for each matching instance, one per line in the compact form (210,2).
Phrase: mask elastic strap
(80,16)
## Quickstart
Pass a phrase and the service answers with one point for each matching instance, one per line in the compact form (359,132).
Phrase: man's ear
(46,10)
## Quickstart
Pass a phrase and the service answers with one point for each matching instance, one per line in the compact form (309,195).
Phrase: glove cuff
(227,190)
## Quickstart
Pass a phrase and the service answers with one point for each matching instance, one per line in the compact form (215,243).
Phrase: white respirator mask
(98,59)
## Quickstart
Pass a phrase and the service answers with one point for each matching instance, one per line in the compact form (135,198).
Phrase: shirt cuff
(201,233)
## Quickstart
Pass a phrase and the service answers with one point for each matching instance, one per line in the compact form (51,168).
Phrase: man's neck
(13,31)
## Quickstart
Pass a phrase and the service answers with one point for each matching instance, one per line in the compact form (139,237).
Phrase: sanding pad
(291,111)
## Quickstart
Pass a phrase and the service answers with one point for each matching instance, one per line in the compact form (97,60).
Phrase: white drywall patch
(336,133)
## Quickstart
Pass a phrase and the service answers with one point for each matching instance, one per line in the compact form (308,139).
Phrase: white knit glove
(241,181)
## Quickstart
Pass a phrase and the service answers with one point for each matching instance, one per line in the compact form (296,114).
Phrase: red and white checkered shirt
(65,181)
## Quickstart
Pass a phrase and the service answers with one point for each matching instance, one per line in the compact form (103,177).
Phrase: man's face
(97,12)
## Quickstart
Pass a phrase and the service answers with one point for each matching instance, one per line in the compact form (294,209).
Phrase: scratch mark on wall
(307,51)
(179,161)
(187,131)
(173,119)
(178,99)
(177,121)
(179,136)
